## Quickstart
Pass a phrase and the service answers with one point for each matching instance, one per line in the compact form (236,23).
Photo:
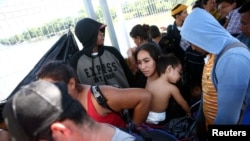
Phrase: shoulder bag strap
(236,44)
(101,100)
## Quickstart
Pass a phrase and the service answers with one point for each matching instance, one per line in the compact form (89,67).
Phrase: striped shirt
(209,92)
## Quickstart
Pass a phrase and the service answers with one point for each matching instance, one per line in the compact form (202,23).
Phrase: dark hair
(227,1)
(166,60)
(203,2)
(238,2)
(200,3)
(76,113)
(140,30)
(151,48)
(245,8)
(2,104)
(197,3)
(58,71)
(154,31)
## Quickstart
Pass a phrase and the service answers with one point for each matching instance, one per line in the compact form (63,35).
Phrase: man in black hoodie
(97,64)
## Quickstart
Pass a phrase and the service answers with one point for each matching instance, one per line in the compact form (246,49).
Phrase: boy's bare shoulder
(162,87)
(168,88)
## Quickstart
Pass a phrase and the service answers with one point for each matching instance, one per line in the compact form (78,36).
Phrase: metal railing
(28,28)
(30,20)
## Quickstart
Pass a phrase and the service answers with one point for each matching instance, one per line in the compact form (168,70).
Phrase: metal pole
(122,24)
(89,8)
(109,23)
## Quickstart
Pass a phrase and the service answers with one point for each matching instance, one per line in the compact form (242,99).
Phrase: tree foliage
(130,9)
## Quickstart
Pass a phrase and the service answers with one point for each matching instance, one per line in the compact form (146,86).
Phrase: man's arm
(129,98)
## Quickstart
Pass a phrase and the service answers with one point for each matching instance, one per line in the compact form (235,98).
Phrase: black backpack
(170,41)
(183,128)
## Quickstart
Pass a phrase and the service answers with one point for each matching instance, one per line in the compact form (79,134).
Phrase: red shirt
(111,118)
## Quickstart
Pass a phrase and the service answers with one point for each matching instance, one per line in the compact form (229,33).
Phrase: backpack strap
(232,45)
(101,100)
(171,27)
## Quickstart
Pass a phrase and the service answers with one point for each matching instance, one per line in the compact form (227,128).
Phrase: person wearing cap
(179,13)
(192,61)
(43,110)
(117,99)
(97,63)
(245,24)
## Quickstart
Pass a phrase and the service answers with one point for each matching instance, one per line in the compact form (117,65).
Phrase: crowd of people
(202,57)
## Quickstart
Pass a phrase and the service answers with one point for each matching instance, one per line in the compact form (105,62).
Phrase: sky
(18,15)
(15,17)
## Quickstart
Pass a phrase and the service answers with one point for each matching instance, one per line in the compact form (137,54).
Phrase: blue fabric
(246,116)
(244,39)
(233,67)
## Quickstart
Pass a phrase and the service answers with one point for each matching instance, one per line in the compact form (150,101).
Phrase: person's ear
(71,84)
(60,131)
(234,5)
(169,68)
(177,16)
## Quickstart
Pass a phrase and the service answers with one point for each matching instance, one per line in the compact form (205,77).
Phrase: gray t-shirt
(122,136)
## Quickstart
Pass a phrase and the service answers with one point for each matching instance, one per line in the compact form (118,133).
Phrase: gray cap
(34,108)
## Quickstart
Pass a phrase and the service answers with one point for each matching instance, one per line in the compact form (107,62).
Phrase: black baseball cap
(34,108)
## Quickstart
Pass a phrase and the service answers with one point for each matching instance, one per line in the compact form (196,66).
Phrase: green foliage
(5,41)
(131,9)
(26,35)
(46,30)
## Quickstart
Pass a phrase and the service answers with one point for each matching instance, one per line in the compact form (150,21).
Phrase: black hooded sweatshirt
(108,67)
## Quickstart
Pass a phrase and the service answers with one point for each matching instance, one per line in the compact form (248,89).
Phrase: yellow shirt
(216,14)
(209,92)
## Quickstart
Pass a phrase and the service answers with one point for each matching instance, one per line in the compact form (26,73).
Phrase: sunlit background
(28,28)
